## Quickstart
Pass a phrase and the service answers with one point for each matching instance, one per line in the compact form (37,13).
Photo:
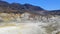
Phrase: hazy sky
(46,4)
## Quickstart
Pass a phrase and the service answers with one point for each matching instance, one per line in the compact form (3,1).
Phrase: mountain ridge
(6,7)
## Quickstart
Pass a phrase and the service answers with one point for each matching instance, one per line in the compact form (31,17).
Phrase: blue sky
(46,4)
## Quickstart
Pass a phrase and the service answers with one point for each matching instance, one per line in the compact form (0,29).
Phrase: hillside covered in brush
(6,7)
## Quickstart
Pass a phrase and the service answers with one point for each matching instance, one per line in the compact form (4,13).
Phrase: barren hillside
(18,18)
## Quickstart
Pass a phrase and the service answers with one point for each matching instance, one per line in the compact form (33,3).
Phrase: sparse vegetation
(44,22)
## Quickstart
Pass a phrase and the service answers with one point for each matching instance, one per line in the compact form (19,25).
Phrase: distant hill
(54,12)
(6,7)
(32,7)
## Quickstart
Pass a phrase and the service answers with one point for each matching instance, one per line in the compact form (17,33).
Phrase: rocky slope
(18,18)
(6,7)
